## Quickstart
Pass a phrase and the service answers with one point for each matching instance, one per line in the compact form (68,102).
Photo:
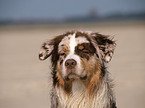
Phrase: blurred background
(25,24)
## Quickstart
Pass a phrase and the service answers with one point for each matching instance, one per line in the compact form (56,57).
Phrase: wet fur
(96,91)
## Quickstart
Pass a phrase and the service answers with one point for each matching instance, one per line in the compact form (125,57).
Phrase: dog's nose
(70,63)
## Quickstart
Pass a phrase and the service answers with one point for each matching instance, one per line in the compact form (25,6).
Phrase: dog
(80,76)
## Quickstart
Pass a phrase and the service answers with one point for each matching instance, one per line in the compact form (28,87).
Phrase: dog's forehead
(71,41)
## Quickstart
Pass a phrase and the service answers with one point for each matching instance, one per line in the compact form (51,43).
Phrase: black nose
(70,63)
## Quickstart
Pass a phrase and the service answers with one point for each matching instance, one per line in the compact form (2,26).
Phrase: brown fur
(93,70)
(92,53)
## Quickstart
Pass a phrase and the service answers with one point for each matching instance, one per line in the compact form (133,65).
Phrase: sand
(25,81)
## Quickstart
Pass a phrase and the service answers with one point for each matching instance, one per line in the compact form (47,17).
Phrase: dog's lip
(71,76)
(75,76)
(84,77)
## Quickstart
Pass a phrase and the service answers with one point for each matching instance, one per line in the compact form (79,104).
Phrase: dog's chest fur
(79,97)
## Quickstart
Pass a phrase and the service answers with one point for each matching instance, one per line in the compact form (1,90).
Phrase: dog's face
(78,55)
(75,55)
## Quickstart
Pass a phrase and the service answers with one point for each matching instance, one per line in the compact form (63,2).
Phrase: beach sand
(25,80)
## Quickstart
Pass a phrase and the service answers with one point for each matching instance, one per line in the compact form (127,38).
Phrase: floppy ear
(106,46)
(46,50)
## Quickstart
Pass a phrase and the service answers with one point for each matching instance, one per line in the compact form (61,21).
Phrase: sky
(59,9)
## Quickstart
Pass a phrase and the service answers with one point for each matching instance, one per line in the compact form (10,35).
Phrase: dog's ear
(46,50)
(106,46)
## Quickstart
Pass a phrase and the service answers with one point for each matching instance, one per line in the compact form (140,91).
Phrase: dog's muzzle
(71,64)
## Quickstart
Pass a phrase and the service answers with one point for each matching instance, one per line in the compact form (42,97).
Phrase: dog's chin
(73,76)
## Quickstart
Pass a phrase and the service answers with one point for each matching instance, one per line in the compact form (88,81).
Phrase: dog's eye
(85,52)
(62,54)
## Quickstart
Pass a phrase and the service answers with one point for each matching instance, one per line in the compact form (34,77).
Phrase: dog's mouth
(73,76)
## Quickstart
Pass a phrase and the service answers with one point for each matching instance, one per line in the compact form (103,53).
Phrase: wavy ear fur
(46,50)
(106,46)
(50,48)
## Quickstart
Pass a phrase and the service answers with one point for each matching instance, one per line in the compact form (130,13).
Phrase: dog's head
(78,55)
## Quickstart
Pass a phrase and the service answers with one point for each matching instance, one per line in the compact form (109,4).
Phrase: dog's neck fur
(80,99)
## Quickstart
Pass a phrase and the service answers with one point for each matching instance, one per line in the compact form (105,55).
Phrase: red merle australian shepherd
(80,77)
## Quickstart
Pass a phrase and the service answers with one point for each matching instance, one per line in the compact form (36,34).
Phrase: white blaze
(72,43)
